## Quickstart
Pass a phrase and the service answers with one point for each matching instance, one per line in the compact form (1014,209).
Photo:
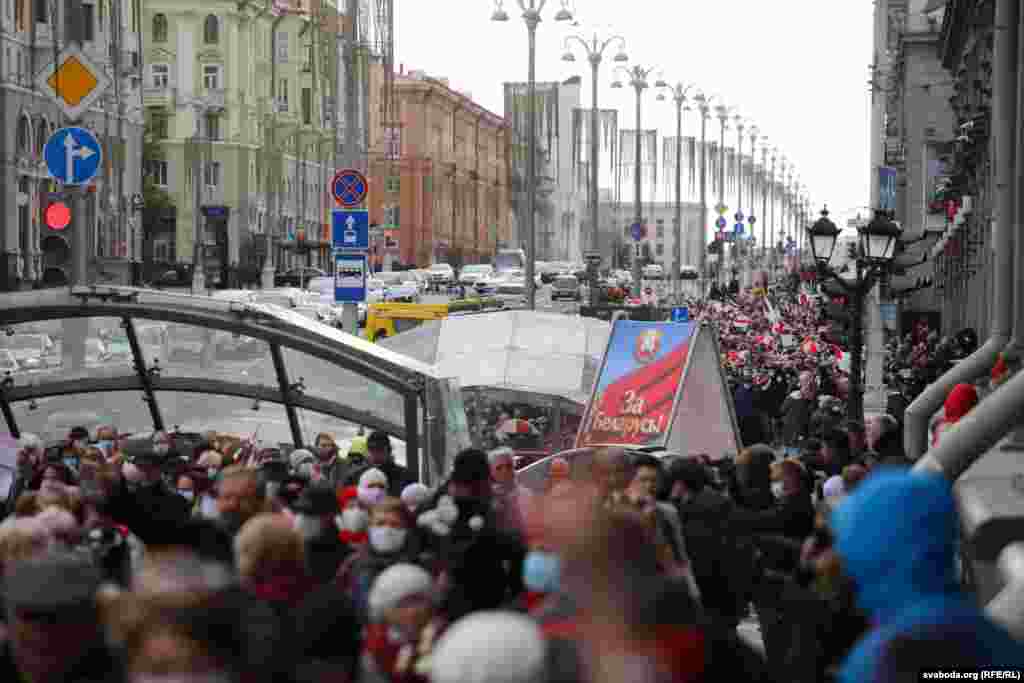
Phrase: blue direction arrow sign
(721,222)
(738,228)
(73,155)
(638,231)
(351,229)
(680,314)
(349,278)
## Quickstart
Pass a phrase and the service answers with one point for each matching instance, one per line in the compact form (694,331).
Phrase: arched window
(42,133)
(160,28)
(24,141)
(211,30)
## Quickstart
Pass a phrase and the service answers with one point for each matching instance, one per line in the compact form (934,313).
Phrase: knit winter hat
(395,584)
(347,495)
(466,652)
(415,495)
(373,476)
(299,457)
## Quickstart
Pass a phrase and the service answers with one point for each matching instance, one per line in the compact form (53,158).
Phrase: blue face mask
(542,571)
(105,446)
(71,463)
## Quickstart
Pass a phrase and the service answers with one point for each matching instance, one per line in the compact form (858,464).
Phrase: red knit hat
(961,399)
(346,495)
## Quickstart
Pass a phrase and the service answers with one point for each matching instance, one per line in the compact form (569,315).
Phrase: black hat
(378,439)
(148,450)
(51,584)
(471,466)
(317,499)
(78,433)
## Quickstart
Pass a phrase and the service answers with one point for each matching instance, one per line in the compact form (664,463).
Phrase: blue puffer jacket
(896,536)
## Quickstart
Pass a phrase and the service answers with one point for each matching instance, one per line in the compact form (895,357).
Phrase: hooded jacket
(896,535)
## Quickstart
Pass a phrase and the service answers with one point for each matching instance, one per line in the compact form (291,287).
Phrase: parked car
(653,271)
(566,287)
(442,274)
(32,351)
(471,274)
(399,286)
(297,277)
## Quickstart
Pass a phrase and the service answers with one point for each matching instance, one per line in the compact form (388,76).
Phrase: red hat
(961,399)
(347,495)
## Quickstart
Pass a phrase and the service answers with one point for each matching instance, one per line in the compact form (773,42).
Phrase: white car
(399,287)
(470,275)
(653,271)
(442,274)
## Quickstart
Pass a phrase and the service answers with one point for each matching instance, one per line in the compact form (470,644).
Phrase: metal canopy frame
(271,324)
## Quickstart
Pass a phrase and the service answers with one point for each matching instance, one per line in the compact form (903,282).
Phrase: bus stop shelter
(170,359)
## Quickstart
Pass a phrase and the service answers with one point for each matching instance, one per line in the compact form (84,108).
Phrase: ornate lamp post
(678,92)
(637,78)
(531,15)
(594,49)
(877,249)
(722,112)
(704,106)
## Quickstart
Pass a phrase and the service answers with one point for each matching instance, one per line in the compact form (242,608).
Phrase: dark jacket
(796,419)
(97,665)
(325,555)
(792,517)
(712,551)
(154,513)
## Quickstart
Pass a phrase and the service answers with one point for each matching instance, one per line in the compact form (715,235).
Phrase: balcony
(159,96)
(214,99)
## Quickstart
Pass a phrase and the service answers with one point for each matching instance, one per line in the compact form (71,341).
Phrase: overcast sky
(798,68)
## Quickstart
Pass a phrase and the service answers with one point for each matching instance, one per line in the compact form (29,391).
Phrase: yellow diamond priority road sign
(74,82)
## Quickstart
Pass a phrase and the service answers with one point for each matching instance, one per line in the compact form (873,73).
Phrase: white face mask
(777,489)
(354,519)
(387,540)
(208,507)
(187,494)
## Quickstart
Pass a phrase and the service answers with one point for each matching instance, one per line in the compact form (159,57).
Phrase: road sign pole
(77,329)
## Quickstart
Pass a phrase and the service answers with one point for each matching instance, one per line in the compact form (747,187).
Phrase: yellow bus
(387,320)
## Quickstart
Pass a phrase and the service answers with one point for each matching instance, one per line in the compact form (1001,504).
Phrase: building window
(160,28)
(659,250)
(307,106)
(163,250)
(282,46)
(212,175)
(211,76)
(659,228)
(42,11)
(159,125)
(282,95)
(24,140)
(160,74)
(211,30)
(308,66)
(88,23)
(392,184)
(158,172)
(213,127)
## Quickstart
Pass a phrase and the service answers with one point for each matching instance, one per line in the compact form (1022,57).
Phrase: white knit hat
(300,456)
(396,583)
(834,487)
(372,476)
(415,494)
(467,652)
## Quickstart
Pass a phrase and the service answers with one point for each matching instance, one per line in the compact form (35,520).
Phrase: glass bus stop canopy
(142,359)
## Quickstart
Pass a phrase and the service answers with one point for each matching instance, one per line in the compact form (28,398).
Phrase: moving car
(653,271)
(297,277)
(471,274)
(387,320)
(566,287)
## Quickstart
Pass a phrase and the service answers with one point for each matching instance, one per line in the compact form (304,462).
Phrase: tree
(154,196)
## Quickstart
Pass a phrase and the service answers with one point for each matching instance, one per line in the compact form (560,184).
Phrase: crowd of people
(206,558)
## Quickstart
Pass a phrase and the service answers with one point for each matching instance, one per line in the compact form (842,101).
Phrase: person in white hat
(373,486)
(404,623)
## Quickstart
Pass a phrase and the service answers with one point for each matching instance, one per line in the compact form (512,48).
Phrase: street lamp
(722,112)
(704,107)
(877,248)
(678,92)
(531,15)
(637,77)
(594,50)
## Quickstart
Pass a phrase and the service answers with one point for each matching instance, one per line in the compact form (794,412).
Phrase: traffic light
(56,241)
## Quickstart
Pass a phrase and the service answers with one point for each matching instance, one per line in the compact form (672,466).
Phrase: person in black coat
(379,455)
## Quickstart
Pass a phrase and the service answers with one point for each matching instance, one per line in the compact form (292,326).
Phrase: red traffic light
(58,216)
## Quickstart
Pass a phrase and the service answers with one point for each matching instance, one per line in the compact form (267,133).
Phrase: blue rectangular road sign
(349,278)
(681,314)
(350,229)
(886,188)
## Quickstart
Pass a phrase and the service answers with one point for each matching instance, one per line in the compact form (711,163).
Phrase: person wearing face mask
(315,513)
(404,625)
(390,542)
(186,489)
(30,459)
(354,519)
(415,496)
(510,499)
(372,488)
(379,456)
(328,466)
(150,508)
